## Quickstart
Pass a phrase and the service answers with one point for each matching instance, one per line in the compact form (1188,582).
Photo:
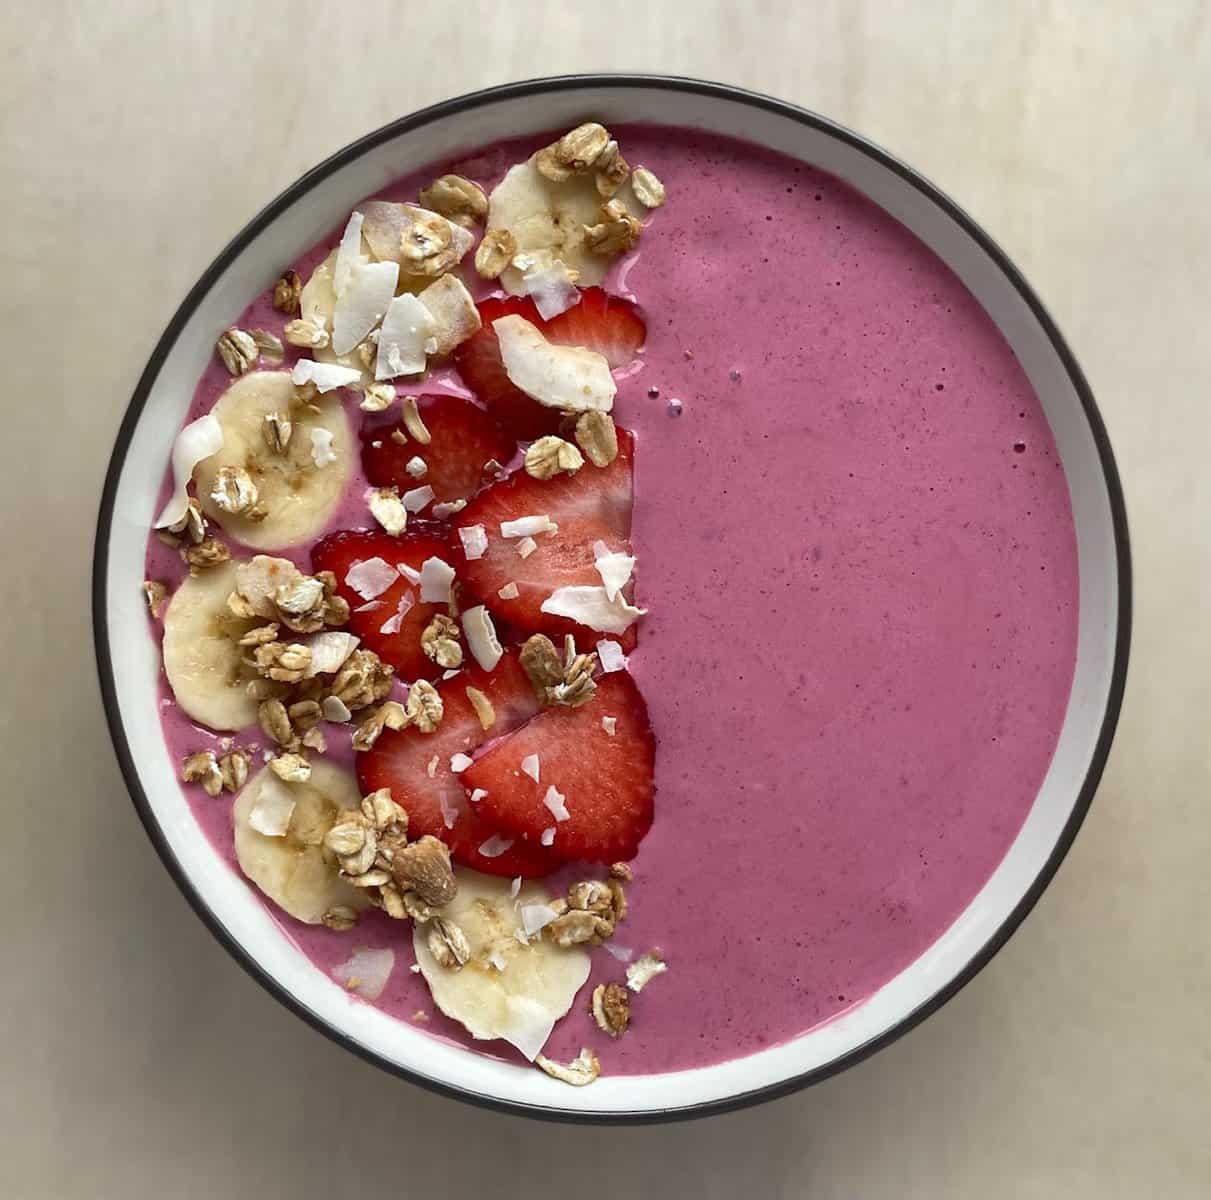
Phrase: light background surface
(138,1059)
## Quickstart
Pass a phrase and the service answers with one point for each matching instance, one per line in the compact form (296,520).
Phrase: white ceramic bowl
(129,660)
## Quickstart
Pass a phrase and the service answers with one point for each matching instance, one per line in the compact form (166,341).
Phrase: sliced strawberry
(463,437)
(399,643)
(400,760)
(600,322)
(594,505)
(606,780)
(479,363)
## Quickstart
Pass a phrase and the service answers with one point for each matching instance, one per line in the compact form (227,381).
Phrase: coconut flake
(393,624)
(363,303)
(322,452)
(477,795)
(556,801)
(371,606)
(495,846)
(481,637)
(416,498)
(475,541)
(498,960)
(529,766)
(536,917)
(610,725)
(644,969)
(592,607)
(366,972)
(622,953)
(416,467)
(406,329)
(615,570)
(411,574)
(548,283)
(460,762)
(371,577)
(548,836)
(348,253)
(610,656)
(525,1024)
(515,886)
(526,547)
(455,317)
(508,592)
(436,576)
(325,376)
(329,651)
(569,378)
(447,508)
(449,811)
(431,766)
(335,709)
(273,807)
(527,526)
(197,441)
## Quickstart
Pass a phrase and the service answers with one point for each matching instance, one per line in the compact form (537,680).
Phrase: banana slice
(506,989)
(298,496)
(546,216)
(201,659)
(294,870)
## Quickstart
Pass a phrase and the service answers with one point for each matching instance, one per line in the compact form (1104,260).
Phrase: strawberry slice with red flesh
(600,322)
(392,622)
(594,505)
(401,759)
(463,437)
(605,780)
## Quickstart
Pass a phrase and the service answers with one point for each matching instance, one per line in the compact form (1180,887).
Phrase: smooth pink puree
(857,551)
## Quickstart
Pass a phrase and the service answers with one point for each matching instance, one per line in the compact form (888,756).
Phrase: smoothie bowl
(612,598)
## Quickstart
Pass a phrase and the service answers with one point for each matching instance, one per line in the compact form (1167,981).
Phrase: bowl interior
(130,661)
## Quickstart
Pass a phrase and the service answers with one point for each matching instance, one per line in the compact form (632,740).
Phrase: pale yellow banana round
(297,495)
(506,990)
(295,871)
(201,659)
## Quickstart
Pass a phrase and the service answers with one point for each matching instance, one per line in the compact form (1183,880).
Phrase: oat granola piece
(426,244)
(414,423)
(340,917)
(541,663)
(616,232)
(424,706)
(388,509)
(423,867)
(649,191)
(273,719)
(233,768)
(233,490)
(283,662)
(363,679)
(575,153)
(457,199)
(440,642)
(191,528)
(305,715)
(286,292)
(237,350)
(622,872)
(156,593)
(209,552)
(390,715)
(611,1008)
(582,1070)
(203,768)
(276,430)
(290,768)
(306,335)
(447,943)
(597,437)
(269,344)
(550,455)
(610,170)
(484,709)
(495,252)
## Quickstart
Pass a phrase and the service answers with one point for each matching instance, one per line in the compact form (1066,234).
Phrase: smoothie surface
(856,549)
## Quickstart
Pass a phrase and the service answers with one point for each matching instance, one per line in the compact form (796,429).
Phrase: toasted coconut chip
(362,303)
(322,452)
(548,282)
(460,762)
(452,309)
(495,846)
(475,541)
(610,725)
(531,766)
(366,972)
(348,253)
(371,577)
(197,441)
(644,969)
(536,917)
(548,836)
(416,498)
(591,606)
(527,526)
(481,637)
(569,378)
(436,576)
(556,802)
(477,795)
(274,806)
(404,339)
(610,656)
(615,571)
(325,376)
(329,651)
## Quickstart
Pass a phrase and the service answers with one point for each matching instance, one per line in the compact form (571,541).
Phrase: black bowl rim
(533,87)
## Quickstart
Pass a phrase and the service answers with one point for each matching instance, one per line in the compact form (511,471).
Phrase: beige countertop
(139,1059)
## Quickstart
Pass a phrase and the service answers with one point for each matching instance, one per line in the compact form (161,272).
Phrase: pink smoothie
(857,551)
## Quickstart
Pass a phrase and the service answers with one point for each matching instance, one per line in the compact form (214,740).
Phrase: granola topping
(611,1008)
(457,199)
(495,252)
(238,351)
(597,437)
(582,1070)
(440,642)
(649,191)
(286,293)
(156,594)
(550,455)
